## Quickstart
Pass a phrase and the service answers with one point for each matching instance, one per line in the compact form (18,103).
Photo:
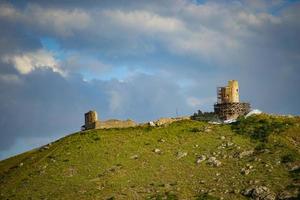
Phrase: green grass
(99,164)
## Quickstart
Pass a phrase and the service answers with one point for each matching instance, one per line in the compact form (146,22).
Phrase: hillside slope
(184,160)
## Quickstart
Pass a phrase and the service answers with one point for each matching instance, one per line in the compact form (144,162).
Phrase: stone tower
(228,104)
(233,87)
(91,120)
(229,93)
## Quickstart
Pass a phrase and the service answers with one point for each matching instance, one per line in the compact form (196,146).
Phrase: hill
(257,157)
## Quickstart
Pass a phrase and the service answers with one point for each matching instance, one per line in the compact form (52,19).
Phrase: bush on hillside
(288,158)
(206,197)
(204,116)
(259,127)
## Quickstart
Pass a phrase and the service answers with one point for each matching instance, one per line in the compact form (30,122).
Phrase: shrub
(206,196)
(259,127)
(196,129)
(288,158)
(167,196)
(261,146)
(204,116)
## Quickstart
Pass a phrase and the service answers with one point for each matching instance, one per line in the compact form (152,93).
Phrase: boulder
(151,123)
(292,193)
(134,157)
(157,151)
(201,159)
(245,153)
(214,162)
(259,193)
(181,154)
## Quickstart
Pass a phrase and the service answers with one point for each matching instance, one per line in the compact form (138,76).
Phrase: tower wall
(233,87)
(231,110)
(91,118)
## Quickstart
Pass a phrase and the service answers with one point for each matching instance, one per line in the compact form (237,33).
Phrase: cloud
(62,22)
(143,21)
(27,62)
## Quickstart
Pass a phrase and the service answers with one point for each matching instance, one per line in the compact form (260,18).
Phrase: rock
(245,153)
(134,157)
(214,162)
(229,144)
(278,162)
(253,182)
(156,151)
(201,159)
(151,123)
(259,193)
(161,140)
(21,164)
(263,193)
(249,166)
(236,191)
(247,192)
(288,194)
(293,166)
(207,129)
(166,121)
(181,154)
(223,138)
(245,171)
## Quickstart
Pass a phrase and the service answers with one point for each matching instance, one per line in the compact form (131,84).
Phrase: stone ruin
(92,122)
(228,105)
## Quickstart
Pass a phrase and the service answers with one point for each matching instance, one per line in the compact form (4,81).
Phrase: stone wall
(114,123)
(163,121)
(227,111)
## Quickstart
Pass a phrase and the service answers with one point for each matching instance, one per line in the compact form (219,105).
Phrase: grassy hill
(184,160)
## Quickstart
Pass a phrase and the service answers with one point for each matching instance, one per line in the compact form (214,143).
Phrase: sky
(140,60)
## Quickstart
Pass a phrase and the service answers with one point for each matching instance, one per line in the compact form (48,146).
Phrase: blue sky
(140,60)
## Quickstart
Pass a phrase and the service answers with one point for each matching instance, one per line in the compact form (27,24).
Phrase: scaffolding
(228,105)
(233,110)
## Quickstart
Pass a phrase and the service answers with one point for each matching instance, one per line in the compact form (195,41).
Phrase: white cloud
(28,62)
(213,31)
(63,22)
(145,21)
(58,21)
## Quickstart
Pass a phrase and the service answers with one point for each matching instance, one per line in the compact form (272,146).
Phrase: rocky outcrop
(259,193)
(164,121)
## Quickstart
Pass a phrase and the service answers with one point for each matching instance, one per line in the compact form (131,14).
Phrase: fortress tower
(230,93)
(90,117)
(91,120)
(228,104)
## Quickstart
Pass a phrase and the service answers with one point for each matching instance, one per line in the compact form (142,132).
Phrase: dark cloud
(44,103)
